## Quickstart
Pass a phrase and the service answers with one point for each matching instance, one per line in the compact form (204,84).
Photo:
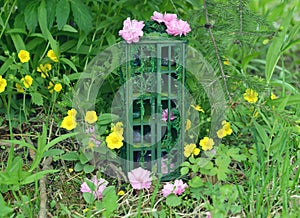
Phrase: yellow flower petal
(207,143)
(24,56)
(91,117)
(3,84)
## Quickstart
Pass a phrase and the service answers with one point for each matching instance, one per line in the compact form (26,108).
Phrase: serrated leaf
(62,13)
(195,182)
(82,15)
(173,200)
(37,98)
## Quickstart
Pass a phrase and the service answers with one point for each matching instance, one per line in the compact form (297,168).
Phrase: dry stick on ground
(216,50)
(43,193)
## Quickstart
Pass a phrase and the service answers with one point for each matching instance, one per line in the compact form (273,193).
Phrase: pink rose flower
(178,188)
(132,30)
(140,178)
(100,185)
(165,115)
(166,18)
(178,27)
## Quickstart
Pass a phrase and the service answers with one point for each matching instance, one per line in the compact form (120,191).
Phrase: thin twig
(43,194)
(216,50)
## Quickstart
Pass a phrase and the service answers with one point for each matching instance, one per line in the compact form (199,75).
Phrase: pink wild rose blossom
(165,115)
(168,189)
(178,27)
(100,185)
(163,18)
(178,188)
(132,30)
(140,178)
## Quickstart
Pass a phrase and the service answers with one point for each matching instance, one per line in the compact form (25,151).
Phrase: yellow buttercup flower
(69,123)
(19,88)
(118,128)
(221,133)
(273,96)
(72,112)
(206,143)
(251,96)
(225,130)
(43,69)
(114,140)
(121,193)
(227,62)
(197,108)
(188,124)
(3,84)
(24,56)
(57,87)
(91,117)
(91,145)
(50,87)
(27,81)
(191,149)
(51,54)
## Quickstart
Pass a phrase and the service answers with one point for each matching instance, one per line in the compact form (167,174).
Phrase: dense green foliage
(248,45)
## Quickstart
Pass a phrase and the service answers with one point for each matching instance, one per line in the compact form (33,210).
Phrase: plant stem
(216,51)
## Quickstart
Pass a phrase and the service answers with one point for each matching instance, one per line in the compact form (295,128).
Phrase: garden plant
(177,108)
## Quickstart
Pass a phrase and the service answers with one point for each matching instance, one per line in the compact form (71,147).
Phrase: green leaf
(59,139)
(173,200)
(109,201)
(275,49)
(31,16)
(37,98)
(68,62)
(82,15)
(53,152)
(88,168)
(184,171)
(21,143)
(71,156)
(78,167)
(36,176)
(42,19)
(262,133)
(5,66)
(195,182)
(107,118)
(69,28)
(234,154)
(185,164)
(62,13)
(88,197)
(4,209)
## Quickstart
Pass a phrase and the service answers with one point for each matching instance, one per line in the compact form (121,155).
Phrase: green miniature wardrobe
(153,97)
